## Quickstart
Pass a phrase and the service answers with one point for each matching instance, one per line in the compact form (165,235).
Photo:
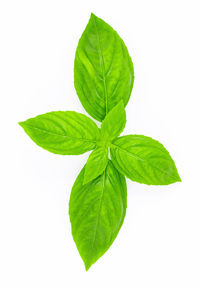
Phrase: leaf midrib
(102,65)
(99,210)
(142,159)
(56,134)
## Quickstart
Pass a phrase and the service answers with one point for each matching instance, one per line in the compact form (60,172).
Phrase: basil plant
(103,79)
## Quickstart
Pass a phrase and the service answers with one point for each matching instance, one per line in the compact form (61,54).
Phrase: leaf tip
(179,179)
(21,123)
(85,181)
(87,264)
(120,105)
(92,15)
(87,178)
(121,102)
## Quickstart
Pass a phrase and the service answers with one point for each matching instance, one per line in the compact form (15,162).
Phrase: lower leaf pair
(99,197)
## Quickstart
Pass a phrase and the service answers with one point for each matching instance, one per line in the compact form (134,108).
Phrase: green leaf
(62,132)
(96,164)
(103,69)
(97,211)
(114,122)
(144,160)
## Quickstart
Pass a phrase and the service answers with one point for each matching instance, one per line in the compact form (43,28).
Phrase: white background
(159,243)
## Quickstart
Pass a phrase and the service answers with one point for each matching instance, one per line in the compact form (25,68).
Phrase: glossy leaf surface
(62,132)
(144,160)
(103,69)
(97,211)
(96,164)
